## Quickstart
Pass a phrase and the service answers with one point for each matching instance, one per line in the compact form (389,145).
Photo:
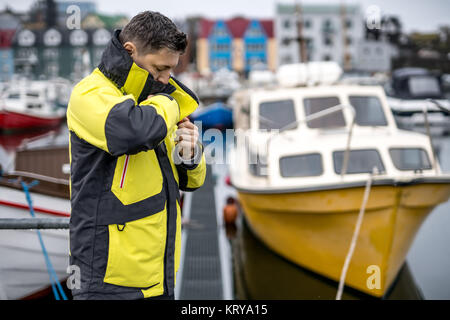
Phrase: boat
(410,92)
(303,162)
(217,115)
(253,261)
(23,270)
(32,104)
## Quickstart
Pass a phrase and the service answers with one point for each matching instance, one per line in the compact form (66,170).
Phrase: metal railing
(34,223)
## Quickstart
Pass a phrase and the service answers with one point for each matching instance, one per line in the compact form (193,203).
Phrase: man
(129,159)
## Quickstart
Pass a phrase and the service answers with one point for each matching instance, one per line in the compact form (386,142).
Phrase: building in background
(238,44)
(379,46)
(328,33)
(47,48)
(9,22)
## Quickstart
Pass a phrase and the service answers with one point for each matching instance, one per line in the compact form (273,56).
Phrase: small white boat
(23,270)
(32,104)
(408,95)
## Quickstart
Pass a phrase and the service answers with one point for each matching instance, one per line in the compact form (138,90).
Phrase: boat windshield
(410,159)
(276,114)
(421,86)
(369,111)
(314,105)
(360,161)
(305,165)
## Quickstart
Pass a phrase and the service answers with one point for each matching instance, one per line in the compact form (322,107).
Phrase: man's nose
(164,77)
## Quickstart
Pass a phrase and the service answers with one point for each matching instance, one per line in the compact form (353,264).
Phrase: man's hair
(151,31)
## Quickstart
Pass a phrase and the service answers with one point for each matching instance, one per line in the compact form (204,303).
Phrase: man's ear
(130,47)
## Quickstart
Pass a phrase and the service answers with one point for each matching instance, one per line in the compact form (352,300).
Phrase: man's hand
(186,138)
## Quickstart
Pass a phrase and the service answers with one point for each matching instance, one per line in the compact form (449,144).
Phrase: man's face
(159,63)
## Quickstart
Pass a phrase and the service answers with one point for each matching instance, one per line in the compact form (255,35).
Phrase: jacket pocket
(137,177)
(136,252)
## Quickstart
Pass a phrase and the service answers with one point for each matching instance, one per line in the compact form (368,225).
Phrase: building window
(307,24)
(348,23)
(220,47)
(349,40)
(255,47)
(287,24)
(327,26)
(219,63)
(254,31)
(286,60)
(328,41)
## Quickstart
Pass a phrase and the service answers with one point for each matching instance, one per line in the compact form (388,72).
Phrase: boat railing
(318,115)
(427,128)
(39,177)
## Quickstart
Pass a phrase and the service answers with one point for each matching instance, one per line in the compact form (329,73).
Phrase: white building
(331,31)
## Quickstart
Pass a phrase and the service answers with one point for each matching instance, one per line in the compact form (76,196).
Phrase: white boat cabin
(286,146)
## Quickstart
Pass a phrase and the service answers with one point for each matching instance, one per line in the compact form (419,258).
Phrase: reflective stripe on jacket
(125,226)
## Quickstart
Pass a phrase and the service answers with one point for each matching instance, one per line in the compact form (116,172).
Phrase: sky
(416,15)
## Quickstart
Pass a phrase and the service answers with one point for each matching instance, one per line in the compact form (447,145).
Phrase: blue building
(255,42)
(237,44)
(220,46)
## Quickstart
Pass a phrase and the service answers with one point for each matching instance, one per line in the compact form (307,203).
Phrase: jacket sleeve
(116,124)
(192,175)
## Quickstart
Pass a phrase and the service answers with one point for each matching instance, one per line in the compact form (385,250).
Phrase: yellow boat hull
(314,229)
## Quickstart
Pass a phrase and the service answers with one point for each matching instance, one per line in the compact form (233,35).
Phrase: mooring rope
(54,281)
(355,235)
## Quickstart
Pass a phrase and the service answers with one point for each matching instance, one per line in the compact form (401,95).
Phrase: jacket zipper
(124,171)
(166,190)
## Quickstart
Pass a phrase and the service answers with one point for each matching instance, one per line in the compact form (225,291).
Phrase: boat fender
(230,211)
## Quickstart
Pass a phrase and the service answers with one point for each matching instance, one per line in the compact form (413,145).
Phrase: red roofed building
(238,44)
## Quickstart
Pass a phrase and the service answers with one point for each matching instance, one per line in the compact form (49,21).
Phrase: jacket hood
(118,66)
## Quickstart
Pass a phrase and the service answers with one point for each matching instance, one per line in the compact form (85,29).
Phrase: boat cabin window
(305,165)
(360,161)
(421,86)
(314,105)
(276,114)
(410,159)
(14,95)
(369,111)
(33,94)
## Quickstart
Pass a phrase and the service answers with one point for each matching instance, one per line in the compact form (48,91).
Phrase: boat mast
(301,40)
(346,56)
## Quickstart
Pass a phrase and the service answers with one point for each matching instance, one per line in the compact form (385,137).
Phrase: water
(255,272)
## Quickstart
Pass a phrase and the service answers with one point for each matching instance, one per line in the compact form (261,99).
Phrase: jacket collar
(118,66)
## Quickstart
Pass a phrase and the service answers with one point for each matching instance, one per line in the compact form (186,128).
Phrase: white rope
(355,236)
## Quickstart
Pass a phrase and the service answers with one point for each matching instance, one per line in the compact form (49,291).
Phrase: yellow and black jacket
(125,226)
